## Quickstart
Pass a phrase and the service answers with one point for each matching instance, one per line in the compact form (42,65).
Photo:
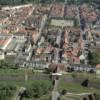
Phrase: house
(98,70)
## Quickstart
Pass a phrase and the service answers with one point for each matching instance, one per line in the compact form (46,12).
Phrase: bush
(19,2)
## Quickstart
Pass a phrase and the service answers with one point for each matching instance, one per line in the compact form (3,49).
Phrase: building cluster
(20,29)
(12,18)
(90,18)
(43,35)
(88,13)
(63,10)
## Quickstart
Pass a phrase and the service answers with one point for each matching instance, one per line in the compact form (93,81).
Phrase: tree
(34,91)
(64,92)
(16,2)
(85,83)
(37,89)
(47,70)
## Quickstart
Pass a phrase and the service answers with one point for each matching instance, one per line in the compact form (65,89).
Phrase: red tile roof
(98,66)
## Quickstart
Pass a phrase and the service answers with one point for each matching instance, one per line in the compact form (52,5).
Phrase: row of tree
(5,64)
(19,2)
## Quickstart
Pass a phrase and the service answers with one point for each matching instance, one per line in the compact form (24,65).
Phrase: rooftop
(98,66)
(57,10)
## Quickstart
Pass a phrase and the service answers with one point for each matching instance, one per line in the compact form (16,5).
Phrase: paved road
(55,95)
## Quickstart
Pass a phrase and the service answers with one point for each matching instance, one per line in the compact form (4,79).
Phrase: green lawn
(72,87)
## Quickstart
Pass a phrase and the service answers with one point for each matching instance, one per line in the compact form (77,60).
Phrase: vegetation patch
(37,89)
(7,91)
(94,58)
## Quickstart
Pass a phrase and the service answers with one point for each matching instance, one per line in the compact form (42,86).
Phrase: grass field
(75,87)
